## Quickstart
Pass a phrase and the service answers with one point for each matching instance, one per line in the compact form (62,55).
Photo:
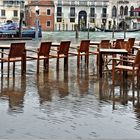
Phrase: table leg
(100,64)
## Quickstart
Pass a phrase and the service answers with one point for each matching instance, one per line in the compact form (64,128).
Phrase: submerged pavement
(67,104)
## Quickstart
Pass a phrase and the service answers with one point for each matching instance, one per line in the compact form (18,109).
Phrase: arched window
(114,11)
(126,11)
(131,11)
(121,10)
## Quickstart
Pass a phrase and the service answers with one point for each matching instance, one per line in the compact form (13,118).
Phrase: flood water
(67,104)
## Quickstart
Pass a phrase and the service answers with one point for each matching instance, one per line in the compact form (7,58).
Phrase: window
(48,12)
(2,12)
(92,12)
(114,11)
(72,14)
(131,11)
(72,11)
(126,10)
(59,11)
(15,13)
(121,10)
(48,23)
(59,14)
(72,19)
(104,11)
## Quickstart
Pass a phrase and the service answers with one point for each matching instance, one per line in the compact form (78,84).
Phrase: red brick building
(45,16)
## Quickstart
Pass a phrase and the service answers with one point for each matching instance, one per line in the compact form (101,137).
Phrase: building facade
(65,15)
(91,13)
(45,14)
(11,10)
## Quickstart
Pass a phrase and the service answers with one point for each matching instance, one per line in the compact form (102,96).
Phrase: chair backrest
(17,50)
(137,58)
(105,44)
(131,44)
(64,47)
(119,43)
(84,46)
(131,41)
(44,49)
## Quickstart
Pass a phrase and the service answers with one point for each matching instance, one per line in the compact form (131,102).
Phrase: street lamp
(21,18)
(36,21)
(113,27)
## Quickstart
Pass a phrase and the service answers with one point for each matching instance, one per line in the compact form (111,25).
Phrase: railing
(72,15)
(104,15)
(92,15)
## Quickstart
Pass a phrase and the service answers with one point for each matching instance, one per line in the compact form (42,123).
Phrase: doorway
(82,20)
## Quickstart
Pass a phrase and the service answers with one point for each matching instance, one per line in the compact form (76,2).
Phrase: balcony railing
(72,15)
(104,15)
(92,15)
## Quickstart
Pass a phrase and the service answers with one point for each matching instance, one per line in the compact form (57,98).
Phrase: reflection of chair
(82,50)
(117,44)
(62,52)
(13,90)
(133,65)
(42,54)
(16,53)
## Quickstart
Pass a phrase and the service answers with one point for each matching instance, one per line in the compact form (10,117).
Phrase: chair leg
(46,64)
(78,60)
(8,69)
(87,59)
(13,68)
(37,66)
(66,62)
(57,65)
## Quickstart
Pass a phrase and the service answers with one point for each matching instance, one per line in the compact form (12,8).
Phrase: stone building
(11,10)
(90,13)
(66,14)
(45,14)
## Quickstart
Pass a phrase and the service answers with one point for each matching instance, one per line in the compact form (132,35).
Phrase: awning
(136,10)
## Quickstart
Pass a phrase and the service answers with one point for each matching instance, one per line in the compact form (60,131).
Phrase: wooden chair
(42,53)
(16,53)
(131,44)
(103,44)
(129,64)
(117,44)
(82,50)
(62,52)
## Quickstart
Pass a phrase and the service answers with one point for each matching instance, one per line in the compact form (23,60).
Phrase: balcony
(72,15)
(104,15)
(92,15)
(3,17)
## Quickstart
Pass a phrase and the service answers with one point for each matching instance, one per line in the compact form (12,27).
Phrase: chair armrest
(123,60)
(73,48)
(29,50)
(128,57)
(54,50)
(3,52)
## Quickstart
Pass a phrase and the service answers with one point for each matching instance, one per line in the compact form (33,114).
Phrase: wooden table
(110,52)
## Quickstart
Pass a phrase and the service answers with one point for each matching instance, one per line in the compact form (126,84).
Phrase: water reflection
(83,80)
(120,92)
(13,90)
(44,88)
